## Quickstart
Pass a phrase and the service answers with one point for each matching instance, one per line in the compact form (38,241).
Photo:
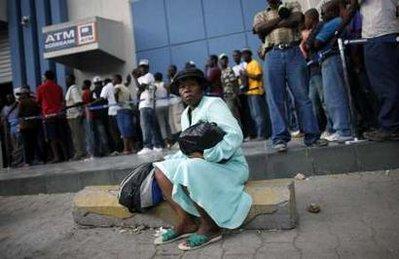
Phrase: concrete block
(274,207)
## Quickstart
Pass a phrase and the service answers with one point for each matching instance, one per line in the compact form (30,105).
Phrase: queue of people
(301,91)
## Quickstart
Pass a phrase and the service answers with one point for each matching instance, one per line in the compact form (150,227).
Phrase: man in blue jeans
(152,140)
(278,25)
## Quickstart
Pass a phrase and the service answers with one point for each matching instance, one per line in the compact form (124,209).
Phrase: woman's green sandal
(169,236)
(196,241)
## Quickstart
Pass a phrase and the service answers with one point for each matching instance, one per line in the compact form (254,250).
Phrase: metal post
(352,114)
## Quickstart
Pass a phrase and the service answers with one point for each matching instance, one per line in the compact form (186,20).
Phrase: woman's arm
(219,113)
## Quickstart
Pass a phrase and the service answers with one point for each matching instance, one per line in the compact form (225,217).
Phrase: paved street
(358,219)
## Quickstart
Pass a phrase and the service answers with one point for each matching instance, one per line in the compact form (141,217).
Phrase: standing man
(74,113)
(51,99)
(213,73)
(10,123)
(278,25)
(381,57)
(230,86)
(255,92)
(108,93)
(245,114)
(152,140)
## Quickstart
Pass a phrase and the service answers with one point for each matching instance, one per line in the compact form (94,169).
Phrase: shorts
(125,122)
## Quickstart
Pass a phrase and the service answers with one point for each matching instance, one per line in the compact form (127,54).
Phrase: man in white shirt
(108,93)
(380,26)
(74,114)
(148,121)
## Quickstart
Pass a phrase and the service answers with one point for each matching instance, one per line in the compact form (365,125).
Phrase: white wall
(3,10)
(118,10)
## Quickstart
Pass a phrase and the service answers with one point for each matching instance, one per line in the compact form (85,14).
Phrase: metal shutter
(5,58)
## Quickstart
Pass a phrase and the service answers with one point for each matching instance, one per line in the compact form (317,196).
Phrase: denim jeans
(149,126)
(335,95)
(89,136)
(257,111)
(100,137)
(292,116)
(316,95)
(288,68)
(382,64)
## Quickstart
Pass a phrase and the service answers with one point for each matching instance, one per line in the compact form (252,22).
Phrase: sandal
(169,236)
(196,241)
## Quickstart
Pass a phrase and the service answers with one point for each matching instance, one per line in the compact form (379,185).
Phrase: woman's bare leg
(207,226)
(185,224)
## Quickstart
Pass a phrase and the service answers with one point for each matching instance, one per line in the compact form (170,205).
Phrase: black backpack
(139,190)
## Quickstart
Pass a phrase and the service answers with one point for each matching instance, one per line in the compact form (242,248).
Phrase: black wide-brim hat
(189,73)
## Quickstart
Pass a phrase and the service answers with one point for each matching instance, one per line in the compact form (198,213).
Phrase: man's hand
(197,155)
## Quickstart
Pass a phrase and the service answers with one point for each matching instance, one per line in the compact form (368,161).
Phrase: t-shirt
(108,93)
(329,29)
(87,99)
(148,95)
(124,96)
(379,18)
(161,95)
(72,97)
(255,86)
(239,67)
(50,97)
(12,112)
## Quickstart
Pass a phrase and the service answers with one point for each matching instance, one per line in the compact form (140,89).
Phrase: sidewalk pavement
(358,219)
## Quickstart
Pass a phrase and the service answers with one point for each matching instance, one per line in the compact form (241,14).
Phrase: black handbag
(200,136)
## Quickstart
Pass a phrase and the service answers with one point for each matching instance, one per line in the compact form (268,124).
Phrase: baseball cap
(144,62)
(223,55)
(97,79)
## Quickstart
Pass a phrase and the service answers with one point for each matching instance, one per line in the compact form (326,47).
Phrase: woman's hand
(197,155)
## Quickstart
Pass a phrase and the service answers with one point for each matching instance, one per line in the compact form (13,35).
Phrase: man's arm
(292,21)
(264,29)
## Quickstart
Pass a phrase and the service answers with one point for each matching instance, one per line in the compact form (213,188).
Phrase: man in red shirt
(51,99)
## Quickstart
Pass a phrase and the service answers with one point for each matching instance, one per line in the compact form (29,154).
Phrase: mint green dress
(217,187)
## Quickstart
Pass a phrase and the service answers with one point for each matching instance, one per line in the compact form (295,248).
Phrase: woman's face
(191,92)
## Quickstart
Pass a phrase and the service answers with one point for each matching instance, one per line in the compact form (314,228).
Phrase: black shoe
(319,143)
(379,135)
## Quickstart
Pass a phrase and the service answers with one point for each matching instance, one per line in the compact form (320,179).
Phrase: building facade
(102,37)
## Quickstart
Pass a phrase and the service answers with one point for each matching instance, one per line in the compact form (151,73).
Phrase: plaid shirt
(279,35)
(229,81)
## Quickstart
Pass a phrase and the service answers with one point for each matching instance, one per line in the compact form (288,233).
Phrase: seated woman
(208,185)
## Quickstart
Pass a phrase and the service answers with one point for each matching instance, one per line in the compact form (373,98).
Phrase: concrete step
(263,163)
(273,207)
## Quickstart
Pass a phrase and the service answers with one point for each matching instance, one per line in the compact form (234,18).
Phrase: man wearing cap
(278,27)
(254,74)
(152,140)
(230,85)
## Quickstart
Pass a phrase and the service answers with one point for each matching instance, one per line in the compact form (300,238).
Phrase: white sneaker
(157,149)
(144,151)
(338,138)
(325,134)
